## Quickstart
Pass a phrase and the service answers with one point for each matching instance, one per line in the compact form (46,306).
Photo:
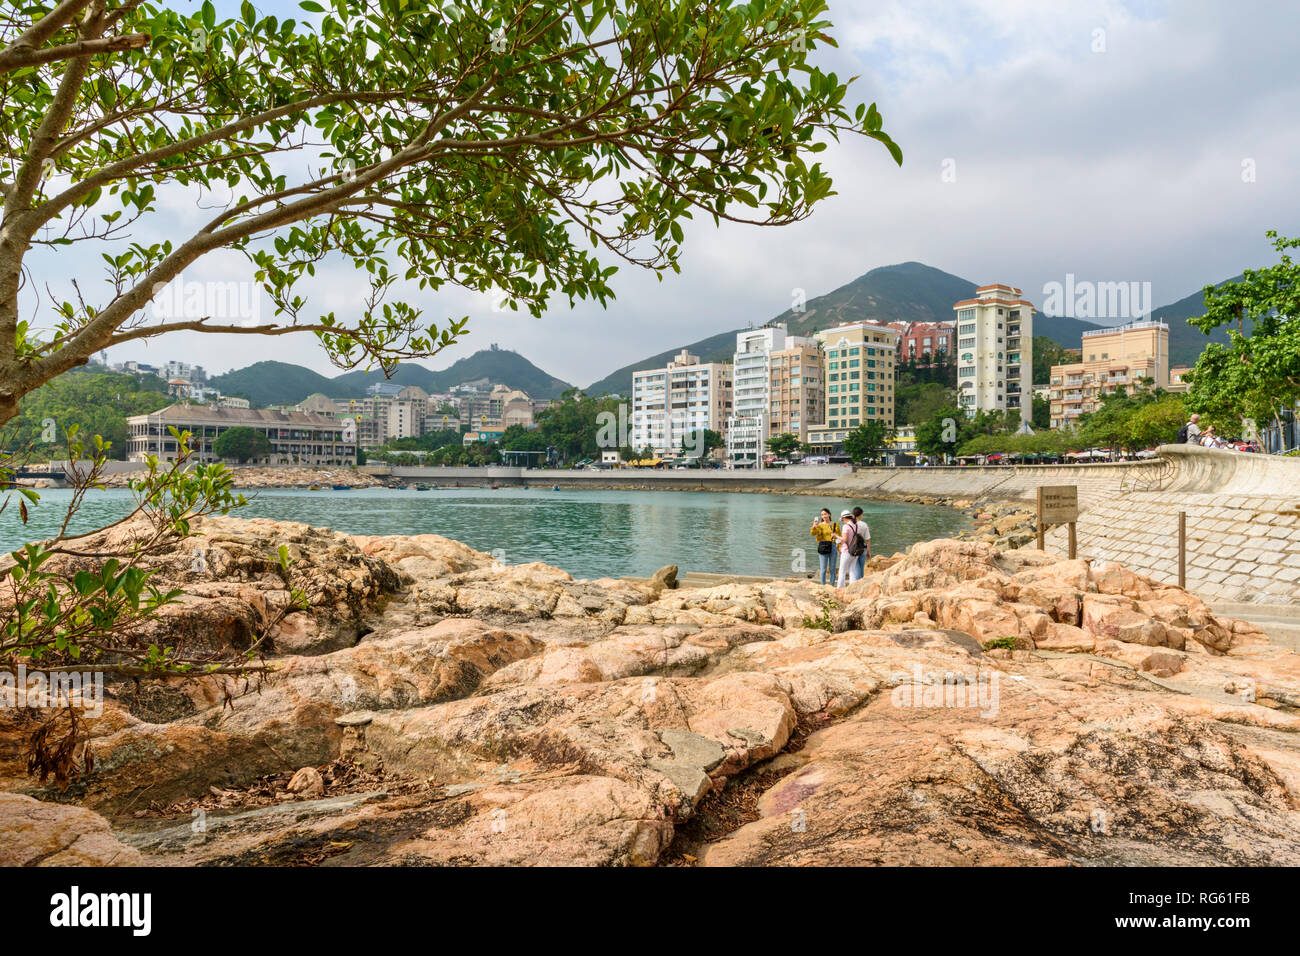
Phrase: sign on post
(1058,504)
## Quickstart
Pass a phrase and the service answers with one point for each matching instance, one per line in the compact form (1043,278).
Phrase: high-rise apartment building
(859,362)
(1120,357)
(670,405)
(995,363)
(773,391)
(797,388)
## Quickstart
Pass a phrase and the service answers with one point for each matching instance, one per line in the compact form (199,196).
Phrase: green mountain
(279,383)
(274,383)
(500,366)
(907,292)
(1186,342)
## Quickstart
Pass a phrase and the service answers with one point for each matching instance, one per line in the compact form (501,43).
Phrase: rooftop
(222,415)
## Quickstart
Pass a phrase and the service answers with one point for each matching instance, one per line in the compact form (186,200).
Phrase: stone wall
(998,482)
(1243,525)
(1243,513)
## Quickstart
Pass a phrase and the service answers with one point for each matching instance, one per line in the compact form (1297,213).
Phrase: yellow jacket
(825,532)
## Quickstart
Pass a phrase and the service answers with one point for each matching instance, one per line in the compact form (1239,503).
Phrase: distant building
(995,364)
(296,437)
(319,404)
(769,391)
(797,388)
(919,341)
(1176,373)
(482,434)
(232,401)
(671,404)
(1120,357)
(384,389)
(859,361)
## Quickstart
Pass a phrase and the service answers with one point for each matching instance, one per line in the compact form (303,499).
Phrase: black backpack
(1182,435)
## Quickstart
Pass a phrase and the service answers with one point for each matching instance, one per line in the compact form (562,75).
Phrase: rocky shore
(962,704)
(247,477)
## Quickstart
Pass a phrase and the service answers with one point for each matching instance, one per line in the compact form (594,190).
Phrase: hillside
(274,383)
(1186,342)
(277,383)
(906,292)
(501,366)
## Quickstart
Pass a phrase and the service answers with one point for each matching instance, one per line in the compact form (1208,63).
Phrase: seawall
(1243,513)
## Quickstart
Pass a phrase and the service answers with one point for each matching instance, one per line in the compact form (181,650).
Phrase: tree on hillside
(1046,354)
(1257,374)
(96,403)
(503,146)
(241,444)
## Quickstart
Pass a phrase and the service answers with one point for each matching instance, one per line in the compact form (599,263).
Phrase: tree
(241,444)
(1257,374)
(1041,416)
(496,146)
(941,433)
(1046,354)
(701,441)
(97,403)
(865,439)
(784,444)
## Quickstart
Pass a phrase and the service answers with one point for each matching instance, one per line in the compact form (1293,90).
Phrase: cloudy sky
(1118,141)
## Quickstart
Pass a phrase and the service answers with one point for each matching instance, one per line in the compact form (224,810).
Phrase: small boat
(341,487)
(494,487)
(423,487)
(313,487)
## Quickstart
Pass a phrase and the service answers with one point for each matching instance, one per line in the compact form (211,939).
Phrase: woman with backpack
(826,532)
(850,548)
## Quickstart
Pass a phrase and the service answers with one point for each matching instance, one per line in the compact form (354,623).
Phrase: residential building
(917,340)
(797,388)
(1176,373)
(384,389)
(995,363)
(859,362)
(1122,357)
(752,418)
(296,437)
(904,439)
(671,404)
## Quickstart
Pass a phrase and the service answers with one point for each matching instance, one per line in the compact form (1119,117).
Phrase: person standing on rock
(848,557)
(826,532)
(865,531)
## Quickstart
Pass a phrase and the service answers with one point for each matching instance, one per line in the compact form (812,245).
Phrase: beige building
(671,404)
(1121,357)
(798,393)
(995,363)
(858,370)
(297,438)
(1176,373)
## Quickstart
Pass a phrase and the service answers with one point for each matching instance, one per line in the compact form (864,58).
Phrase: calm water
(589,533)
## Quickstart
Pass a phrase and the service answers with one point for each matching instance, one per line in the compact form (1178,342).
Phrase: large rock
(33,833)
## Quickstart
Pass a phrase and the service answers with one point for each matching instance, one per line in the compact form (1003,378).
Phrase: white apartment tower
(995,362)
(669,405)
(751,419)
